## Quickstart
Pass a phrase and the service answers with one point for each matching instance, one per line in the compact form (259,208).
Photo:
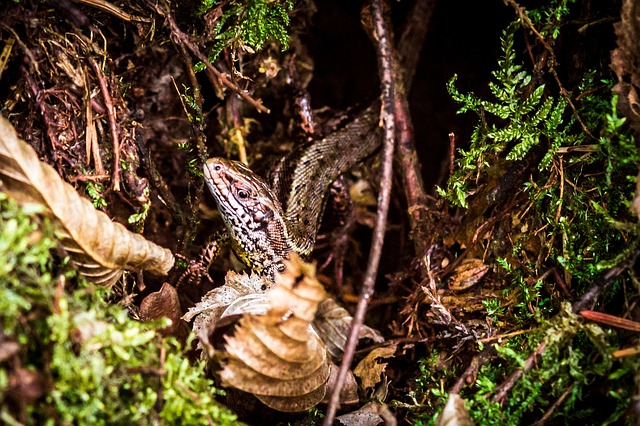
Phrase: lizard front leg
(199,267)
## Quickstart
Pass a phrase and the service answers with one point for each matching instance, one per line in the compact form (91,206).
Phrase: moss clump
(87,360)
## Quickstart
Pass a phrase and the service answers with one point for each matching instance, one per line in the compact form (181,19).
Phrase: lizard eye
(217,167)
(243,194)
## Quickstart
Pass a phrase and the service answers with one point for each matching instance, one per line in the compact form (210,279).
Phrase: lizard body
(266,222)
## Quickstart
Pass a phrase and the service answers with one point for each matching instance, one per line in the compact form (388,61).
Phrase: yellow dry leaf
(100,248)
(370,369)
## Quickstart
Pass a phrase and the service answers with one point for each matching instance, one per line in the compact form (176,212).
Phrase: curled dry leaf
(349,392)
(240,291)
(468,274)
(100,248)
(164,303)
(277,356)
(333,324)
(454,413)
(371,367)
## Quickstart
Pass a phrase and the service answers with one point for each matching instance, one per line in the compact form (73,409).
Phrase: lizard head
(244,199)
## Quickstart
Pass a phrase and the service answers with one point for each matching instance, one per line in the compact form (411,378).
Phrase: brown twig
(114,10)
(108,103)
(91,134)
(158,181)
(547,415)
(452,153)
(185,40)
(404,64)
(387,79)
(505,387)
(51,134)
(469,376)
(197,125)
(412,38)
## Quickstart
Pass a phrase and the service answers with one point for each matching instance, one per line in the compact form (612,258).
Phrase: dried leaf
(467,274)
(349,391)
(370,368)
(100,249)
(333,323)
(454,413)
(241,293)
(163,304)
(24,385)
(371,414)
(8,349)
(277,356)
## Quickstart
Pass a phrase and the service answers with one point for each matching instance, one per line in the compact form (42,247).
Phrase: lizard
(265,222)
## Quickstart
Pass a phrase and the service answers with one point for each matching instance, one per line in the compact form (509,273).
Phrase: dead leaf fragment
(100,248)
(240,294)
(333,323)
(8,349)
(349,392)
(454,413)
(371,414)
(625,62)
(372,367)
(163,304)
(468,274)
(25,386)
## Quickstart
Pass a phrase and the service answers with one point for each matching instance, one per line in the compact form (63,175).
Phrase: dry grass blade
(101,249)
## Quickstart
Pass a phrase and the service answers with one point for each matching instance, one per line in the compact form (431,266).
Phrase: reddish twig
(404,64)
(108,103)
(452,153)
(412,38)
(469,376)
(33,86)
(505,387)
(387,79)
(184,39)
(547,415)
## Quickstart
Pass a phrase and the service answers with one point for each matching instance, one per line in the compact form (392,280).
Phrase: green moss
(248,24)
(576,208)
(97,365)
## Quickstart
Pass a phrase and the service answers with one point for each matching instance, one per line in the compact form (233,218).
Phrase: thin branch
(107,7)
(158,181)
(505,387)
(469,376)
(387,78)
(33,86)
(547,415)
(184,39)
(405,61)
(197,125)
(412,38)
(108,103)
